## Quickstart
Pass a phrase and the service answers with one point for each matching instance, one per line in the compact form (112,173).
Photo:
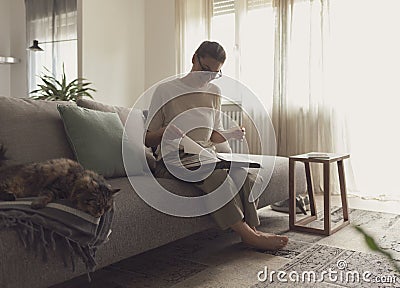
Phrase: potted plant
(55,90)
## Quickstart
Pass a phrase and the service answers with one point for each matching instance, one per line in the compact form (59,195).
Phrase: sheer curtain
(365,60)
(193,19)
(245,28)
(256,63)
(54,24)
(336,87)
(306,115)
(329,70)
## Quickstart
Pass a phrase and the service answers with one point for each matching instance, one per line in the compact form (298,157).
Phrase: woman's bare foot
(266,241)
(258,232)
(258,239)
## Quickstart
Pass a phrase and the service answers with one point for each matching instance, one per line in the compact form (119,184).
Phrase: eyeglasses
(214,75)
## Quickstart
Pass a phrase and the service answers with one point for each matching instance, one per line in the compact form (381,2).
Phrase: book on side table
(318,155)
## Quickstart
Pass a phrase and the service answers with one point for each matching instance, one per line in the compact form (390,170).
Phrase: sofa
(32,131)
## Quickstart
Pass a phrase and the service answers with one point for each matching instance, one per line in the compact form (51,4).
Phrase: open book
(201,156)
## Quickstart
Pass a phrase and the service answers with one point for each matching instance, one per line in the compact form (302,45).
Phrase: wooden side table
(300,225)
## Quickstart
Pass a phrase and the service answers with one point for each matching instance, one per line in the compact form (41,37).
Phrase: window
(245,28)
(54,24)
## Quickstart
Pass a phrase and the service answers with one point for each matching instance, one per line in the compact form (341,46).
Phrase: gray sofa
(32,130)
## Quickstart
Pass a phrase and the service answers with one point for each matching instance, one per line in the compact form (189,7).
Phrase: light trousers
(239,208)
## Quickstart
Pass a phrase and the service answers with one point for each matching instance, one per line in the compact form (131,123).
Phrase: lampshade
(35,46)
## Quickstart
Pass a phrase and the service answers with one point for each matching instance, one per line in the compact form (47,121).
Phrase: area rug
(314,264)
(216,258)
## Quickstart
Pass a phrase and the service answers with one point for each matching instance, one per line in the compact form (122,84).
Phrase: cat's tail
(3,157)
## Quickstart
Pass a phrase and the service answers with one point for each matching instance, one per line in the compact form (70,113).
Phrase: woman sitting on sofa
(238,214)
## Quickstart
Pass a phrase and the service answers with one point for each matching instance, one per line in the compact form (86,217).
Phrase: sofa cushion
(32,130)
(123,114)
(96,139)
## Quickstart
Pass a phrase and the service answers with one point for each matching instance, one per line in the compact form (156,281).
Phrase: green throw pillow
(96,139)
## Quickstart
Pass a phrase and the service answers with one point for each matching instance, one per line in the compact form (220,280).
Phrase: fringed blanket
(67,231)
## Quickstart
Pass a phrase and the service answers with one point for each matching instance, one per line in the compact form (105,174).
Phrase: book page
(191,147)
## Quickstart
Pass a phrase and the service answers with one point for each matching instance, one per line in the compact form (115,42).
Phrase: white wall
(160,41)
(5,46)
(113,49)
(18,45)
(12,43)
(127,46)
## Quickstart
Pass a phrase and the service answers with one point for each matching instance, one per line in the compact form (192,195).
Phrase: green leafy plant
(55,90)
(375,247)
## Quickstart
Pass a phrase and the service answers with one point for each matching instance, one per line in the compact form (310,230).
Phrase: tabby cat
(56,179)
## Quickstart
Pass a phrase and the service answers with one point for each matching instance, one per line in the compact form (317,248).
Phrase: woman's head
(213,50)
(209,57)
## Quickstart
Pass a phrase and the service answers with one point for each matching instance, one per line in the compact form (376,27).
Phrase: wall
(5,46)
(160,41)
(126,48)
(12,43)
(113,49)
(18,45)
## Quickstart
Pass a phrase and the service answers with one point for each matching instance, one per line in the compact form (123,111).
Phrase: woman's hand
(238,133)
(233,133)
(172,132)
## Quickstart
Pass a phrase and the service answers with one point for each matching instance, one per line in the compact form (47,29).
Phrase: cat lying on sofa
(56,179)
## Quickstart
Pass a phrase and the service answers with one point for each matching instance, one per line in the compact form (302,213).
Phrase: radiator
(233,116)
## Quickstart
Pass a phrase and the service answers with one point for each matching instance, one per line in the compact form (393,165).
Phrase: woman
(189,94)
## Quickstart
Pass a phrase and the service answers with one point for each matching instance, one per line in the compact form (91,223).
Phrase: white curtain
(54,24)
(365,60)
(192,27)
(336,88)
(306,115)
(255,42)
(329,70)
(245,28)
